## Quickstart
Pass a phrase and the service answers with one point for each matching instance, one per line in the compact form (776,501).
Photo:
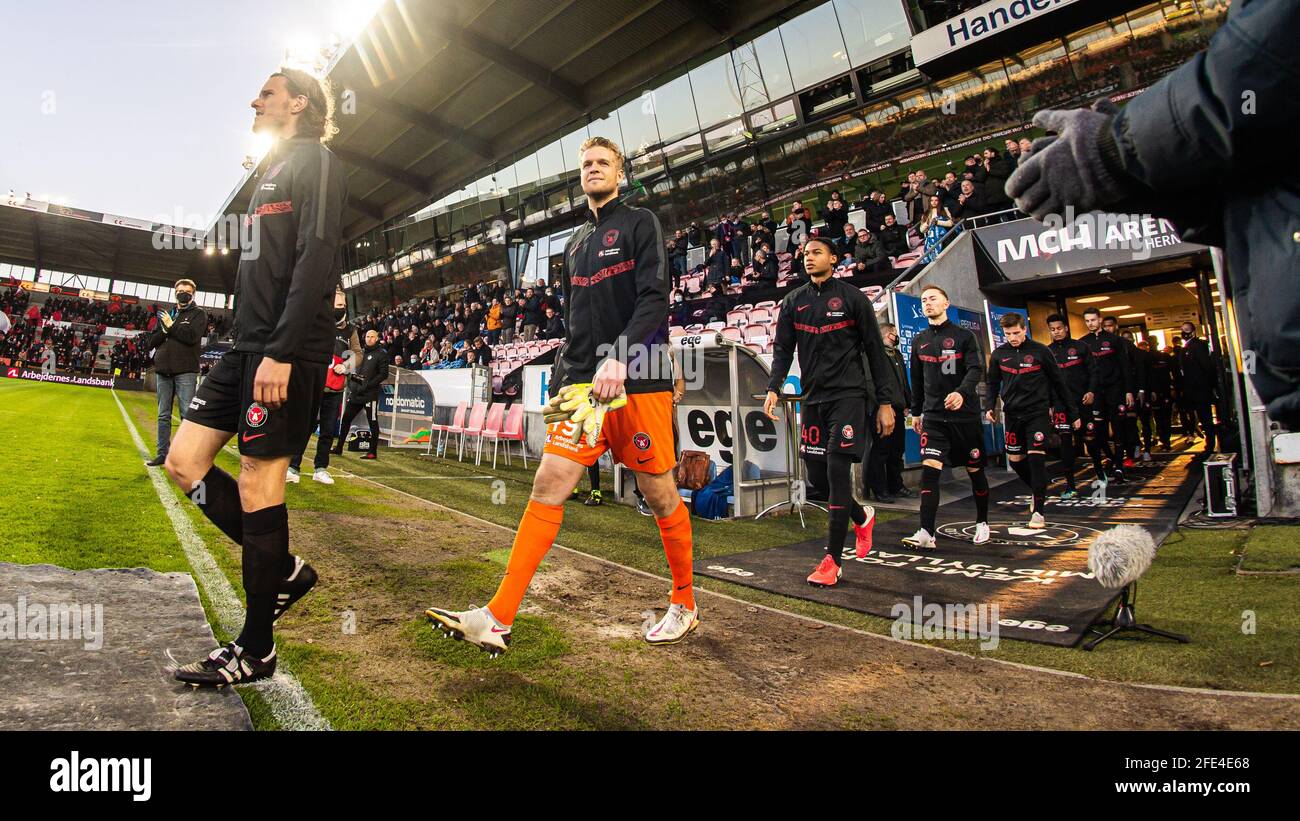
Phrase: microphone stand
(1125,621)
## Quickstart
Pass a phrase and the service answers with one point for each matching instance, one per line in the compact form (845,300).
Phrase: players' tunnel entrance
(1150,292)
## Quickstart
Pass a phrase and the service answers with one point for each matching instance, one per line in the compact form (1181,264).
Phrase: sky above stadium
(140,107)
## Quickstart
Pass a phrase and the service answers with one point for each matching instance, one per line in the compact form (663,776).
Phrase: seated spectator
(554,328)
(766,270)
(737,271)
(845,240)
(679,311)
(719,304)
(868,254)
(893,237)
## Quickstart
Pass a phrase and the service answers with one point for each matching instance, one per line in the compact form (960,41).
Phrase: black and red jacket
(832,325)
(1028,381)
(616,281)
(946,358)
(284,293)
(1111,372)
(1074,358)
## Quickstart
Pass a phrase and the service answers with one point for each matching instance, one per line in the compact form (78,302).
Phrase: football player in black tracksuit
(347,352)
(832,324)
(1144,365)
(1025,375)
(1074,359)
(267,389)
(1110,396)
(1198,382)
(947,367)
(1127,434)
(1160,395)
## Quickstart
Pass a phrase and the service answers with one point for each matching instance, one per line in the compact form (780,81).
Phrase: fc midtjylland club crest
(256,416)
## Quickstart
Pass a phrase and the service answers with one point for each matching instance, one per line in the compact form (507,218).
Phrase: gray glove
(1079,166)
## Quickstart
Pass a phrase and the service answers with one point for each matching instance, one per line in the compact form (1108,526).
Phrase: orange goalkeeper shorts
(639,435)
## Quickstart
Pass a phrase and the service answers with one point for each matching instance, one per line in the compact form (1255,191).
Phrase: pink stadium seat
(770,303)
(715,326)
(491,427)
(694,329)
(471,428)
(760,315)
(457,424)
(732,333)
(754,347)
(755,333)
(737,318)
(511,431)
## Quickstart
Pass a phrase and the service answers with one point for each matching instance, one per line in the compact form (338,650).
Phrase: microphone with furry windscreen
(1117,559)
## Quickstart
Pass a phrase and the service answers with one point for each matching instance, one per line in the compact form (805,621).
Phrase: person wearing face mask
(176,342)
(1199,382)
(363,392)
(680,313)
(347,353)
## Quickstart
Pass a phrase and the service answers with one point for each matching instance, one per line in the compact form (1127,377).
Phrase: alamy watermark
(59,621)
(930,620)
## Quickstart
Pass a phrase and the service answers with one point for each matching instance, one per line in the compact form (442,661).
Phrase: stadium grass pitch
(84,500)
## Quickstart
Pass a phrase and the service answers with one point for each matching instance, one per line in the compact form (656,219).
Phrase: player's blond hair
(188,282)
(602,142)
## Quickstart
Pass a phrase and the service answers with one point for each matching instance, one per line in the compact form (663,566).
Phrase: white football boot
(677,624)
(921,538)
(477,626)
(981,533)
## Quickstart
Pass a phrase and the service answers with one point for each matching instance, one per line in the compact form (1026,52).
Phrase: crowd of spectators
(441,332)
(36,326)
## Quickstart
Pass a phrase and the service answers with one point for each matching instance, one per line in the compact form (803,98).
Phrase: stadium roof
(60,238)
(444,87)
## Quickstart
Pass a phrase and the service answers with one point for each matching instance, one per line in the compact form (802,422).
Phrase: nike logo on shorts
(246,438)
(643,461)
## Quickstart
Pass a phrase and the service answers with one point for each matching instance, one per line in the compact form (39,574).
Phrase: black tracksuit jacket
(832,325)
(933,347)
(284,294)
(616,278)
(1074,358)
(1111,374)
(1028,380)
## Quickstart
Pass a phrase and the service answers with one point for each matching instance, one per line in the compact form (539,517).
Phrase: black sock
(929,497)
(838,473)
(1067,458)
(217,495)
(266,549)
(1094,450)
(980,485)
(1038,480)
(1022,470)
(857,512)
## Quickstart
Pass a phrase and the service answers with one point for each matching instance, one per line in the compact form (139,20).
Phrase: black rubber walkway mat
(1038,579)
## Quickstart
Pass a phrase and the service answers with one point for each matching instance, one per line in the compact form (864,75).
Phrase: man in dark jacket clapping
(176,341)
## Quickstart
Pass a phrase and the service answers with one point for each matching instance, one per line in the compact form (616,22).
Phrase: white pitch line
(289,702)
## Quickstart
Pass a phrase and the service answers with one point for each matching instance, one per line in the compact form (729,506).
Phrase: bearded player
(844,370)
(617,352)
(267,389)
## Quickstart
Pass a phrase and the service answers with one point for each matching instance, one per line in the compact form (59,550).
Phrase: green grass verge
(1271,549)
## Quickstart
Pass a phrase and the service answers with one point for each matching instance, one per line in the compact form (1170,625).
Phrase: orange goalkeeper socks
(537,531)
(676,532)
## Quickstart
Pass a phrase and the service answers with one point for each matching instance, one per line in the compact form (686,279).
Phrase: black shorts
(1061,419)
(1024,433)
(1106,407)
(838,426)
(953,442)
(225,402)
